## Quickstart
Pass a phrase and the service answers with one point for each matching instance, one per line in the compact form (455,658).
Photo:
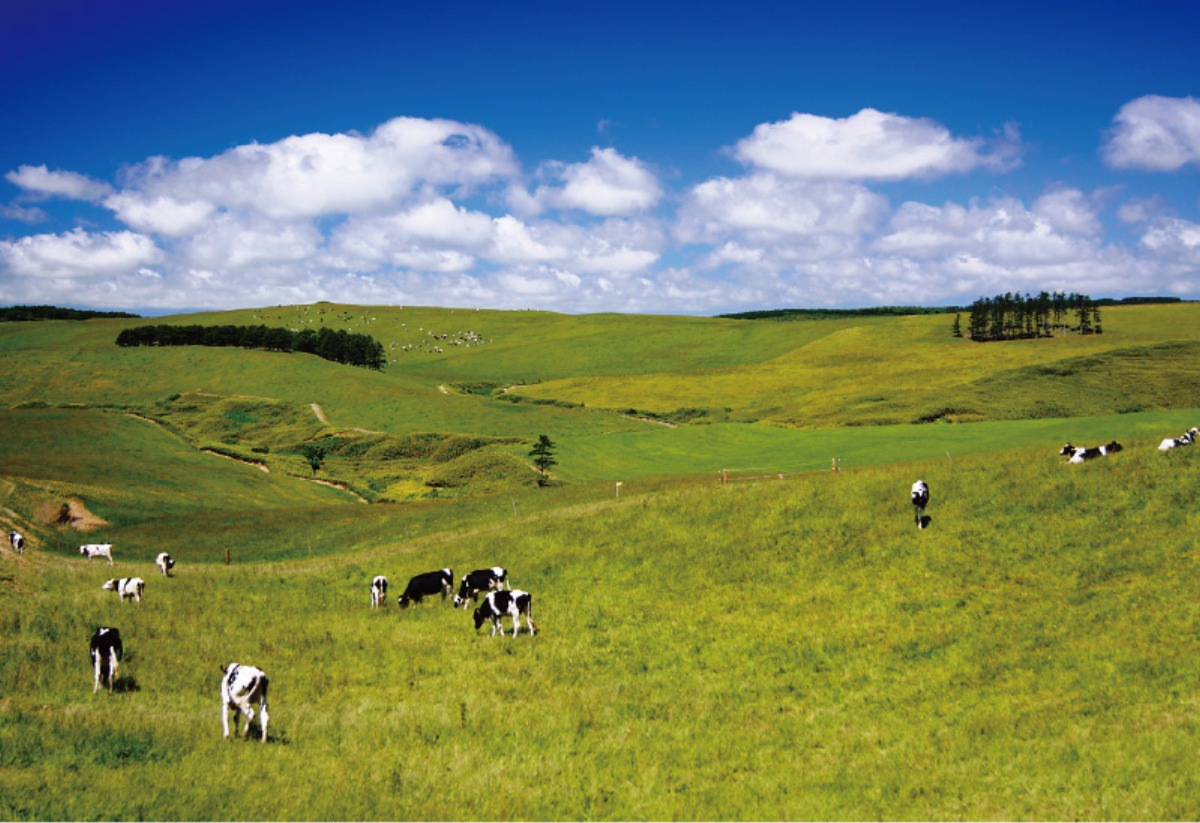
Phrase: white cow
(165,563)
(920,499)
(242,686)
(378,591)
(90,550)
(126,588)
(18,541)
(106,653)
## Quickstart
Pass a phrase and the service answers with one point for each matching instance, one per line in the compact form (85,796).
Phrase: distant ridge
(896,311)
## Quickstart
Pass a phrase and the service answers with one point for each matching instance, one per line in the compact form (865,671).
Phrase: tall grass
(787,649)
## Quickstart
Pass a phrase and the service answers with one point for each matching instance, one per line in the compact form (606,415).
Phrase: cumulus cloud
(315,175)
(870,145)
(441,212)
(607,184)
(1154,133)
(40,181)
(769,207)
(78,254)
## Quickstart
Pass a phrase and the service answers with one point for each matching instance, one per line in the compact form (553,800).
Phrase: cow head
(109,586)
(480,617)
(1067,450)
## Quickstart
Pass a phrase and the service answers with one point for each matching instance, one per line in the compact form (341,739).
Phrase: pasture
(786,650)
(787,646)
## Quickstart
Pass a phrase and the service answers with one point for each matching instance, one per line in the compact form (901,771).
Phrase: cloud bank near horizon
(440,212)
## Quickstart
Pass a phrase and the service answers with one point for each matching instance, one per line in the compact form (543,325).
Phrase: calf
(499,603)
(241,687)
(1083,455)
(165,563)
(106,651)
(91,550)
(17,540)
(427,584)
(126,588)
(378,591)
(920,499)
(480,580)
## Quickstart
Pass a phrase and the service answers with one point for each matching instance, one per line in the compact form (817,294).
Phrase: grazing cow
(106,651)
(17,540)
(426,585)
(165,563)
(1082,455)
(91,550)
(378,591)
(513,603)
(242,686)
(126,588)
(920,499)
(1185,439)
(480,580)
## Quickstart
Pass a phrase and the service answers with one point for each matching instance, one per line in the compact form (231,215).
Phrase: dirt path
(320,414)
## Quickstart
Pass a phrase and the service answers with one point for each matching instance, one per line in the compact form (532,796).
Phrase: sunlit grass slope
(786,649)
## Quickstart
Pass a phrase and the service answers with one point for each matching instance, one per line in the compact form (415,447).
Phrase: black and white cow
(90,550)
(165,563)
(1082,455)
(17,541)
(378,591)
(480,580)
(242,687)
(427,585)
(126,587)
(106,651)
(920,499)
(1186,439)
(512,603)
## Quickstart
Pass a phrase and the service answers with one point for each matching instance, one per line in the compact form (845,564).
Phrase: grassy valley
(786,646)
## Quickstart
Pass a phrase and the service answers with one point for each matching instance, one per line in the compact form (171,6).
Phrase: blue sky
(647,157)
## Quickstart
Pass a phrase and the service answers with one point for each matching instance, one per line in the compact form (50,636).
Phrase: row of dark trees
(339,346)
(1018,317)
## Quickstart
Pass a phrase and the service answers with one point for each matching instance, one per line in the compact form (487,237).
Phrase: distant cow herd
(243,688)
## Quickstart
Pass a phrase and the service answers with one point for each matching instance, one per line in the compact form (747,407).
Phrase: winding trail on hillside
(320,413)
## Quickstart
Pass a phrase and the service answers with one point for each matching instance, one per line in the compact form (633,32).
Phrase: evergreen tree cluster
(339,346)
(56,313)
(1020,317)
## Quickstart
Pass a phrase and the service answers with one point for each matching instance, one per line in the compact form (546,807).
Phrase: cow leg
(496,625)
(529,622)
(249,715)
(262,719)
(96,666)
(225,718)
(114,669)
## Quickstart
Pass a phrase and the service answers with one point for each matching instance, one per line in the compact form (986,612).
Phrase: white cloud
(316,175)
(160,214)
(78,254)
(870,145)
(1003,231)
(608,184)
(772,208)
(1154,133)
(39,180)
(1175,240)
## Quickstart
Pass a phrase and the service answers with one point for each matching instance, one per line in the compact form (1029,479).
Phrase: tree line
(339,346)
(21,313)
(1019,317)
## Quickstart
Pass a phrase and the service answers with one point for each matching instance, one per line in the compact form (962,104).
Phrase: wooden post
(227,557)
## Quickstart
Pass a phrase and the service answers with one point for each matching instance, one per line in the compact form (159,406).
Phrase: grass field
(787,646)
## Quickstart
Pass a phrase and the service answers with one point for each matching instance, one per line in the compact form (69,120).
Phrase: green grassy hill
(786,646)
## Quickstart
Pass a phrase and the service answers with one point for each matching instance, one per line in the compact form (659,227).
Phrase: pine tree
(543,458)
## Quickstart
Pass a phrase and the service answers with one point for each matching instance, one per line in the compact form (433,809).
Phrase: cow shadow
(122,685)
